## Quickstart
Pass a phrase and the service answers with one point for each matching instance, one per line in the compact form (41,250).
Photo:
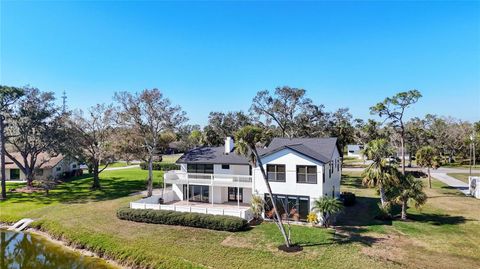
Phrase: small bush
(348,198)
(161,166)
(213,222)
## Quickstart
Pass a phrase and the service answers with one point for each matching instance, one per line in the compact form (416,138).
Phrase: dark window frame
(200,168)
(307,174)
(225,166)
(15,174)
(276,173)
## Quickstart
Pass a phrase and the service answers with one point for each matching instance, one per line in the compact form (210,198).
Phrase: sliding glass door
(196,193)
(289,206)
(235,194)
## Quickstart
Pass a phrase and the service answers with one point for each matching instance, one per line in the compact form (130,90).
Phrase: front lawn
(443,235)
(114,184)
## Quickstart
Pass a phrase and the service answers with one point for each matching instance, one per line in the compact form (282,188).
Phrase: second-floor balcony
(226,180)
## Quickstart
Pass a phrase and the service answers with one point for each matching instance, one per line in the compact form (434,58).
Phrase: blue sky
(214,56)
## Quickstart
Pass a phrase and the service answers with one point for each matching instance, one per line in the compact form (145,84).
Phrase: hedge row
(213,222)
(161,166)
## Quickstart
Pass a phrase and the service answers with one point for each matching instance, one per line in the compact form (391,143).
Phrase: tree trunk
(277,215)
(383,198)
(404,209)
(429,178)
(150,177)
(96,179)
(2,158)
(402,144)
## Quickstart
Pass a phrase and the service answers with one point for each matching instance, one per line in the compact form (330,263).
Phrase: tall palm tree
(327,206)
(428,157)
(246,140)
(379,173)
(410,189)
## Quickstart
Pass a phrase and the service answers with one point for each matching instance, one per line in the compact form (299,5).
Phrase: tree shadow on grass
(363,213)
(345,235)
(437,219)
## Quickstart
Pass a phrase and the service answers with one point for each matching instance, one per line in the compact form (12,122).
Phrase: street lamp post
(472,151)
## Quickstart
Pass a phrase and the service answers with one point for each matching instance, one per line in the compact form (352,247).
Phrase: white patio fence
(153,203)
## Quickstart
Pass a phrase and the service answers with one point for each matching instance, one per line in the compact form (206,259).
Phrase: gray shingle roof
(320,149)
(212,155)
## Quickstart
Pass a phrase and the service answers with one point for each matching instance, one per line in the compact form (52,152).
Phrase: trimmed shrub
(161,166)
(213,222)
(348,198)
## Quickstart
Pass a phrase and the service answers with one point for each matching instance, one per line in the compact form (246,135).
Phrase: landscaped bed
(213,222)
(442,235)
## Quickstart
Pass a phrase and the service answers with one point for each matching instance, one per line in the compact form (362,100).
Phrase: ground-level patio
(240,210)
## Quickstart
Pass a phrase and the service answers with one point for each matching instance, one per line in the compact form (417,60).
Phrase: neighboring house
(355,151)
(48,167)
(216,180)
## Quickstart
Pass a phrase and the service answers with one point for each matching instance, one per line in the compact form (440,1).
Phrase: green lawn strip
(115,184)
(462,176)
(115,165)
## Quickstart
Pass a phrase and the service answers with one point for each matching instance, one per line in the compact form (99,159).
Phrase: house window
(323,174)
(276,172)
(58,169)
(330,170)
(15,174)
(306,174)
(288,206)
(74,166)
(225,166)
(200,168)
(39,172)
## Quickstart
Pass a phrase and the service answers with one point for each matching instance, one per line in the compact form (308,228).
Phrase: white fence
(152,203)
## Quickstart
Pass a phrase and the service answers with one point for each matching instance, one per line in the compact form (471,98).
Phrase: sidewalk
(452,182)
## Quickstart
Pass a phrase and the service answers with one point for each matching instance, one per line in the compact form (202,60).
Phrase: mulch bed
(291,249)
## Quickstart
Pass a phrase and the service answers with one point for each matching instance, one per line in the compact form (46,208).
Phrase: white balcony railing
(181,177)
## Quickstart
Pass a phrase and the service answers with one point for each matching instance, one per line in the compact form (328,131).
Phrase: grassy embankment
(443,235)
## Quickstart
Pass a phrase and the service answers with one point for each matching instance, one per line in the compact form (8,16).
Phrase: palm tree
(246,140)
(379,173)
(410,189)
(327,206)
(428,157)
(256,205)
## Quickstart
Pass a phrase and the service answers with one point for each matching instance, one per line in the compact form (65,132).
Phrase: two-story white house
(216,180)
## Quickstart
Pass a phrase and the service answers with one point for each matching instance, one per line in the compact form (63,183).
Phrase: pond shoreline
(69,246)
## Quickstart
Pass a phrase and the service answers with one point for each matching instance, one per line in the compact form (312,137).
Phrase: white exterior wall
(291,159)
(333,182)
(234,169)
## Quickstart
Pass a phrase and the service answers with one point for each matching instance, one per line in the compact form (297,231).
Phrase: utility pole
(64,97)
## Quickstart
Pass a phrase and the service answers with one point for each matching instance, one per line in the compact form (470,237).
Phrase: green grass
(353,162)
(114,184)
(445,232)
(458,165)
(462,176)
(115,165)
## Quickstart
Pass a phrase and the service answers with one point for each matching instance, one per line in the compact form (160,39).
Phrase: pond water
(29,251)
